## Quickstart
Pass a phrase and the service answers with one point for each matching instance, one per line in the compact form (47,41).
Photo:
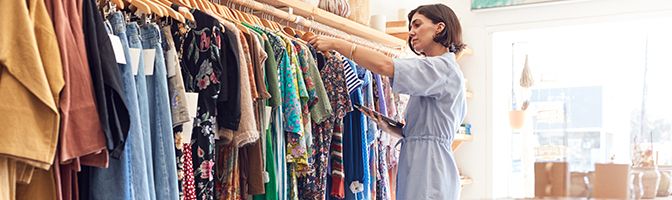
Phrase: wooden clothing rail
(326,23)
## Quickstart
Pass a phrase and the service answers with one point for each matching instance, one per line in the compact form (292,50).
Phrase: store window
(599,90)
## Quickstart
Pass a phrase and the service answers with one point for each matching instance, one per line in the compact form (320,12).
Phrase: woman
(437,105)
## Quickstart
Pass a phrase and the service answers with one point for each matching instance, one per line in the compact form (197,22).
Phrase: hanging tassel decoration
(526,80)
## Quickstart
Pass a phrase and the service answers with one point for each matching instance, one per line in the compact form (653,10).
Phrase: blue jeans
(163,142)
(133,33)
(136,159)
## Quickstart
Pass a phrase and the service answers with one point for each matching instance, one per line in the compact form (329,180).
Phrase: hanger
(232,12)
(208,6)
(142,7)
(309,34)
(181,3)
(256,19)
(153,9)
(184,8)
(289,31)
(238,15)
(212,8)
(277,25)
(218,9)
(172,13)
(264,21)
(199,5)
(193,4)
(227,12)
(119,4)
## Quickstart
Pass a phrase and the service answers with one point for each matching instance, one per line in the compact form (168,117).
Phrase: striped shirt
(351,79)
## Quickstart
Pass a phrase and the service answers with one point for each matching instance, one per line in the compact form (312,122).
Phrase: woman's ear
(439,27)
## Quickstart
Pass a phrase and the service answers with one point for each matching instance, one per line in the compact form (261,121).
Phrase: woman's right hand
(322,43)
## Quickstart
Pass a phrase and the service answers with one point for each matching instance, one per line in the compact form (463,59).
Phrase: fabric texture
(202,72)
(106,80)
(30,70)
(135,146)
(229,100)
(178,99)
(188,187)
(81,133)
(163,143)
(247,131)
(133,34)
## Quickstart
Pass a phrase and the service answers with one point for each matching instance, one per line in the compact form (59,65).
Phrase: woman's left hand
(322,43)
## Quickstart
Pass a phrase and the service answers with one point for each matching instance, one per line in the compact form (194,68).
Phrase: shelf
(351,27)
(396,24)
(463,138)
(397,29)
(459,139)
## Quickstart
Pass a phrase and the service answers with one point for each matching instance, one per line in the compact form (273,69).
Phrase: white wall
(480,158)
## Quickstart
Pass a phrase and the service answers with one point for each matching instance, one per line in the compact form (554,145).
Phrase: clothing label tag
(267,115)
(266,177)
(135,59)
(356,187)
(192,105)
(171,62)
(149,55)
(118,49)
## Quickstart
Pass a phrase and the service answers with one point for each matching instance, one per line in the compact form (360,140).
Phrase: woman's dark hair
(451,36)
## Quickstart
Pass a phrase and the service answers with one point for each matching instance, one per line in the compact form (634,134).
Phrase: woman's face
(422,32)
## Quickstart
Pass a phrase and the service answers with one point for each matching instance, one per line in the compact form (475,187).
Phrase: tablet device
(390,121)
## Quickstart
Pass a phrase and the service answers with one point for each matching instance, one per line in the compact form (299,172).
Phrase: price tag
(118,49)
(135,59)
(149,55)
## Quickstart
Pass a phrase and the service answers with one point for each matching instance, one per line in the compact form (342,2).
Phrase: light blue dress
(436,108)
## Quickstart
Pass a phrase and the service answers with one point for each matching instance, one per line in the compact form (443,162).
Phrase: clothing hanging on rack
(273,117)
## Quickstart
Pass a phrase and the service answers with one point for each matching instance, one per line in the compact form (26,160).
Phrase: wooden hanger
(237,14)
(172,13)
(246,16)
(307,36)
(227,13)
(185,9)
(256,19)
(224,12)
(191,4)
(164,10)
(208,6)
(289,31)
(183,3)
(154,9)
(216,8)
(266,23)
(118,3)
(142,7)
(199,5)
(276,26)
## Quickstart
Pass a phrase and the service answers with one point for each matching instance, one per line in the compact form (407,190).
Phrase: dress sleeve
(432,76)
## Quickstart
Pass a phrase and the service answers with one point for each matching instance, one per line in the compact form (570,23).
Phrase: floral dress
(202,70)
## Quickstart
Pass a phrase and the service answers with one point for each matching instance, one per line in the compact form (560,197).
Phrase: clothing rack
(349,30)
(307,10)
